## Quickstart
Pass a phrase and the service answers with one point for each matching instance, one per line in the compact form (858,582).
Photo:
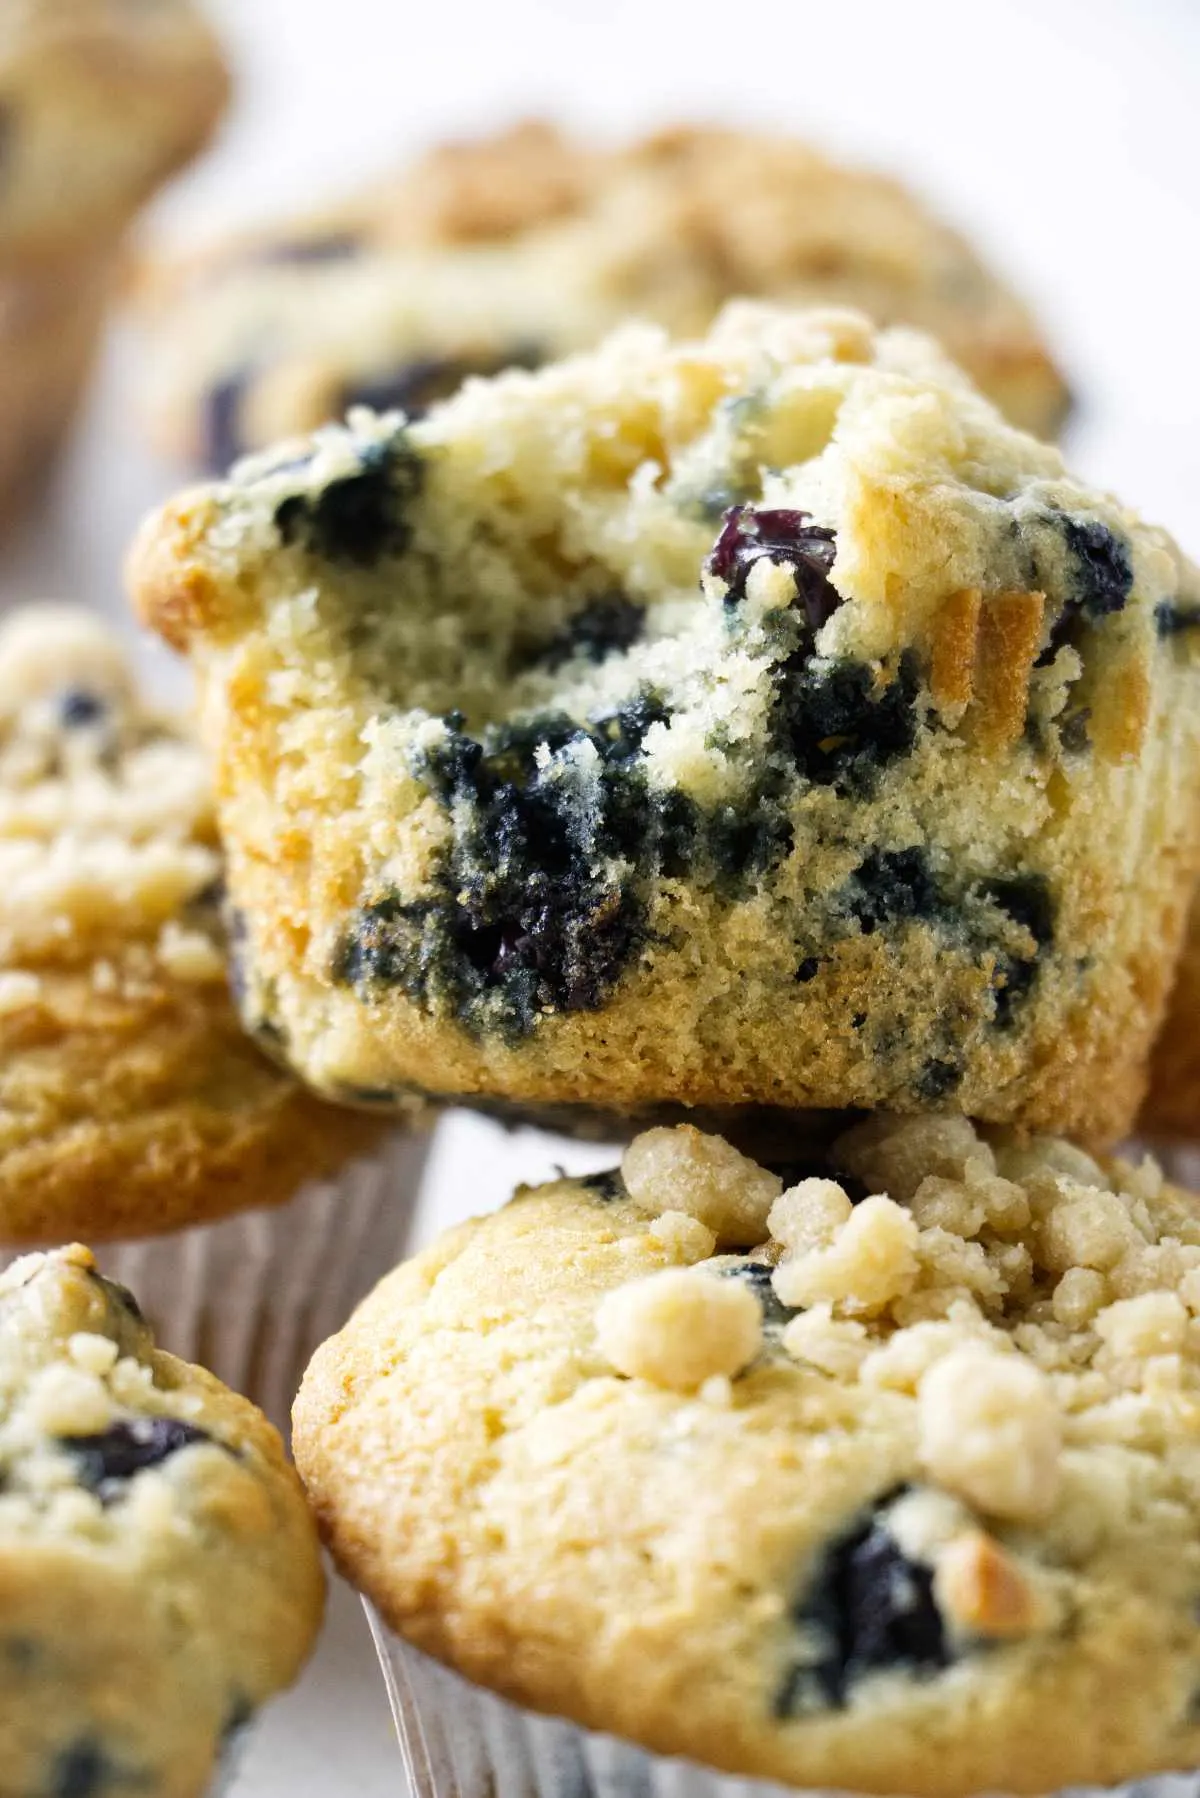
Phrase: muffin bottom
(459,1741)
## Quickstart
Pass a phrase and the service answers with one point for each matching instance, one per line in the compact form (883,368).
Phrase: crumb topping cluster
(1030,1300)
(85,1403)
(106,829)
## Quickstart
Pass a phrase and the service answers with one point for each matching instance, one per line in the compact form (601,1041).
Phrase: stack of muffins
(755,728)
(737,738)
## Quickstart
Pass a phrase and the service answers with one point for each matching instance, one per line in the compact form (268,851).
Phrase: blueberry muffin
(100,100)
(131,1101)
(753,721)
(874,1472)
(528,245)
(160,1571)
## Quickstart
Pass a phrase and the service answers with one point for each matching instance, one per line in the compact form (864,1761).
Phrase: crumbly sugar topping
(86,1401)
(106,826)
(1032,1302)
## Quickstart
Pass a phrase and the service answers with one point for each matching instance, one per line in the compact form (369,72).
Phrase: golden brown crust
(1010,636)
(173,590)
(147,1108)
(494,187)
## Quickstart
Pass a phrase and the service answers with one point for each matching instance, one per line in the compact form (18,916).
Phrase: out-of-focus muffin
(100,100)
(522,247)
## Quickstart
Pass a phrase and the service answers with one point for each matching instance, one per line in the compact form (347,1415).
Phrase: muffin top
(524,246)
(130,1099)
(160,1571)
(876,1471)
(100,100)
(777,652)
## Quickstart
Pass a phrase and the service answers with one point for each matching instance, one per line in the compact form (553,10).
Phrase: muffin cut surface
(875,1472)
(753,721)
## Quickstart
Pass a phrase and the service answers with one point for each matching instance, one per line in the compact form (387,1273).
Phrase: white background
(1062,133)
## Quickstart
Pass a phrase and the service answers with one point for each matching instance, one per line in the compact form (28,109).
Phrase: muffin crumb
(991,1432)
(679,1328)
(682,1169)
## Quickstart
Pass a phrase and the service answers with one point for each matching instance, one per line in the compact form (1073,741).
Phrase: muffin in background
(752,721)
(100,102)
(523,247)
(132,1104)
(160,1570)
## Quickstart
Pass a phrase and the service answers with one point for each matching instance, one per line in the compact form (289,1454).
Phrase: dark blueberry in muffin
(604,626)
(120,1296)
(757,1276)
(607,1185)
(869,1609)
(83,1771)
(79,707)
(889,886)
(1103,567)
(840,723)
(1101,581)
(940,1076)
(1174,621)
(222,428)
(415,386)
(1026,899)
(789,539)
(106,1461)
(332,246)
(360,518)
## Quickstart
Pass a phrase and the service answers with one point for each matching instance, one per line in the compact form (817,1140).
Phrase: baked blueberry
(869,1609)
(105,1462)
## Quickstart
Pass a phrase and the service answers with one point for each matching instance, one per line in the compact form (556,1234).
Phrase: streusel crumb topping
(106,825)
(1027,1296)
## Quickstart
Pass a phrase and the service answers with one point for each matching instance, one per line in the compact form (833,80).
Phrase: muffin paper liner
(459,1741)
(251,1296)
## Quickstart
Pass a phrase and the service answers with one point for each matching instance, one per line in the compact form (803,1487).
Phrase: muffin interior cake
(874,1472)
(160,1572)
(766,700)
